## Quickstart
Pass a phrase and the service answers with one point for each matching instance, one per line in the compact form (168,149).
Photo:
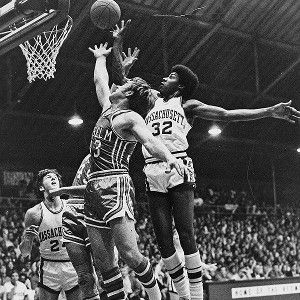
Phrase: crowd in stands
(247,246)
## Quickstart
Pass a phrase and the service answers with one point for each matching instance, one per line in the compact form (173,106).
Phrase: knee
(131,257)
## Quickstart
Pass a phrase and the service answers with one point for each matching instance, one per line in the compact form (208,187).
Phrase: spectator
(222,274)
(15,290)
(3,275)
(276,272)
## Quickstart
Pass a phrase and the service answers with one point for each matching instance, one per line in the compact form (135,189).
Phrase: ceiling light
(214,131)
(75,121)
(298,150)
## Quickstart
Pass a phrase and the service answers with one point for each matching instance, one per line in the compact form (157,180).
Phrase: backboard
(21,20)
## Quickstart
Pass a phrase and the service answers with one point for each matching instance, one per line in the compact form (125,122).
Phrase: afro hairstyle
(188,79)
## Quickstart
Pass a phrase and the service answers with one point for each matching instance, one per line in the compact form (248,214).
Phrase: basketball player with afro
(109,193)
(44,223)
(172,196)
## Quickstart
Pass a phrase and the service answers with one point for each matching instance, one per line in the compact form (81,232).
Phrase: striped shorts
(158,181)
(108,195)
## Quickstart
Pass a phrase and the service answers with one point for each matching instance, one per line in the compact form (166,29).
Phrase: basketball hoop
(42,50)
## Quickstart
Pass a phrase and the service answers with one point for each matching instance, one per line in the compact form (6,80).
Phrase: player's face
(170,84)
(50,182)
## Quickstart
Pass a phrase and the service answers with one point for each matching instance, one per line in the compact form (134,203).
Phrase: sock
(175,268)
(113,284)
(145,275)
(194,270)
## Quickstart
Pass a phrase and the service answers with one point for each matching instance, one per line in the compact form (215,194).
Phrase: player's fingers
(287,103)
(294,111)
(290,120)
(129,51)
(128,22)
(105,45)
(91,49)
(136,52)
(124,55)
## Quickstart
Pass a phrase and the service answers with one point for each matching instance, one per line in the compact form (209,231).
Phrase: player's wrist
(271,111)
(100,57)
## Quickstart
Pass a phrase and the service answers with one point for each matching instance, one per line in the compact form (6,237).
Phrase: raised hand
(286,112)
(100,51)
(120,31)
(129,59)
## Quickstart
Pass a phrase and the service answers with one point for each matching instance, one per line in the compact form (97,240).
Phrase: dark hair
(39,180)
(188,79)
(142,99)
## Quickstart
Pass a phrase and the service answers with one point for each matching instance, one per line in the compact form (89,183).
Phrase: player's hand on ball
(100,51)
(120,31)
(286,112)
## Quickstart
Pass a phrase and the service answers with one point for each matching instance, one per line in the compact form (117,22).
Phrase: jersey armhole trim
(115,114)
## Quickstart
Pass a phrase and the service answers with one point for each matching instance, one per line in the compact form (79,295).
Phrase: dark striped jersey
(75,205)
(83,171)
(108,150)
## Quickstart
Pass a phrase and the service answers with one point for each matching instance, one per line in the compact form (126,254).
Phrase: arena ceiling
(246,54)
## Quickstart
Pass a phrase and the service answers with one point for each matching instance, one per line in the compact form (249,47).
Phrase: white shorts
(57,275)
(160,181)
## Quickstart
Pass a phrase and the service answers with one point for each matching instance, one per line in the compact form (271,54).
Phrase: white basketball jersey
(50,235)
(167,121)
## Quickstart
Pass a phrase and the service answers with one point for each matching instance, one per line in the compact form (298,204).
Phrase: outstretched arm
(209,112)
(122,63)
(32,223)
(100,75)
(77,190)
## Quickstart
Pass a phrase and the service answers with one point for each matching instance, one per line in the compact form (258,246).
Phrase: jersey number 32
(162,128)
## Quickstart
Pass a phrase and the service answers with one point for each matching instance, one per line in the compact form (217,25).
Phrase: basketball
(105,14)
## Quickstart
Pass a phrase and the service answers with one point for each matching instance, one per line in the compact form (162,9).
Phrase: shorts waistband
(107,173)
(177,154)
(55,260)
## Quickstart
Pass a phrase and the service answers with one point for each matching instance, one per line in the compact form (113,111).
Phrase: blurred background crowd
(238,239)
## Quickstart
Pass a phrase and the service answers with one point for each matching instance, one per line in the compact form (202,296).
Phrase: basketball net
(42,50)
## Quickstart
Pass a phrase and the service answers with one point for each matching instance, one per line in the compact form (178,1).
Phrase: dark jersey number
(55,245)
(164,128)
